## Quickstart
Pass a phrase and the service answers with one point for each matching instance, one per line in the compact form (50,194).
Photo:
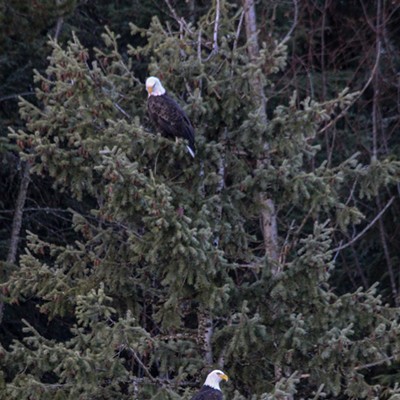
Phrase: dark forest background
(129,270)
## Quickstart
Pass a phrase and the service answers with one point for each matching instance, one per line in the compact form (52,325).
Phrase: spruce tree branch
(367,228)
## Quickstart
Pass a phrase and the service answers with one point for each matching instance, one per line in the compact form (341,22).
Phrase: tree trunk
(17,221)
(19,209)
(268,211)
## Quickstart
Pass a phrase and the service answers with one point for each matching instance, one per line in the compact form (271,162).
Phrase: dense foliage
(141,268)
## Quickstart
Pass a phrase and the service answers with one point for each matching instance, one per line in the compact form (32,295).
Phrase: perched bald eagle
(210,390)
(167,115)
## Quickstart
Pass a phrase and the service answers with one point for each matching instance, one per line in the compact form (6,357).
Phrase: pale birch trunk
(268,210)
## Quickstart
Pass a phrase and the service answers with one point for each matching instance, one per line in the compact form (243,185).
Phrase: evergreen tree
(167,274)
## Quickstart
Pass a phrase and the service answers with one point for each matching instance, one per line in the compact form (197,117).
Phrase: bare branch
(239,28)
(15,96)
(376,84)
(360,93)
(139,361)
(120,109)
(294,24)
(181,21)
(367,228)
(37,209)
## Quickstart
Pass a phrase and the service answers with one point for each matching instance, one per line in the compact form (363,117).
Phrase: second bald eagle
(211,390)
(167,115)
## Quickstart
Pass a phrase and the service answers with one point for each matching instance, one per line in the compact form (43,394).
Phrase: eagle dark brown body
(166,114)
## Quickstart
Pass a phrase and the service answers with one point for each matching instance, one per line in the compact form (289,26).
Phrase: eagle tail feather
(190,151)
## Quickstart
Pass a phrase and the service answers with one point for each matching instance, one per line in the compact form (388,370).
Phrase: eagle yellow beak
(149,89)
(224,377)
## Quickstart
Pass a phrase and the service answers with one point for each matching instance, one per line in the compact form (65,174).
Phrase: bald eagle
(210,390)
(167,115)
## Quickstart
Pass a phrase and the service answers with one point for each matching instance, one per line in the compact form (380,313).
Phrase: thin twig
(15,96)
(360,93)
(239,28)
(178,19)
(379,362)
(120,109)
(294,24)
(132,352)
(37,209)
(365,366)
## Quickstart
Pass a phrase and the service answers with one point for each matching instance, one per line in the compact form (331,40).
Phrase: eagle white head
(154,87)
(214,378)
